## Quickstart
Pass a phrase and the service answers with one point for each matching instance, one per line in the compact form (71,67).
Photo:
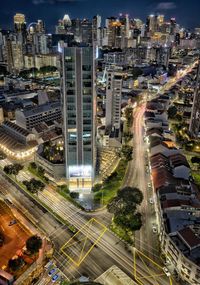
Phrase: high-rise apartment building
(194,127)
(113,100)
(40,27)
(78,102)
(96,25)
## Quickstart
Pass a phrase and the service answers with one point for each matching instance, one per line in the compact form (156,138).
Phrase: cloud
(166,6)
(38,2)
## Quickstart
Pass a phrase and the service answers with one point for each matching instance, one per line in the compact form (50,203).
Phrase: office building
(32,117)
(78,101)
(19,23)
(194,127)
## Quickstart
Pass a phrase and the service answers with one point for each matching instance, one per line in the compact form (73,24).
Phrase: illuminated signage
(80,171)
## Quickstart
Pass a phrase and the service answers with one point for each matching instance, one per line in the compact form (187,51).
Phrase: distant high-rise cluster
(77,49)
(29,45)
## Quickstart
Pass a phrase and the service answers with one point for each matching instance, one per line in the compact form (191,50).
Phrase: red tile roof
(189,237)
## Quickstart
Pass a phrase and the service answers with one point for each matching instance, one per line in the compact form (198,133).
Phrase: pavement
(15,235)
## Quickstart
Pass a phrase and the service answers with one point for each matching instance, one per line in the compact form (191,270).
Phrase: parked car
(151,201)
(12,222)
(55,277)
(52,271)
(154,230)
(166,271)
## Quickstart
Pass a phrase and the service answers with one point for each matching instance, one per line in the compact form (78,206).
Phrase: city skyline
(185,13)
(99,142)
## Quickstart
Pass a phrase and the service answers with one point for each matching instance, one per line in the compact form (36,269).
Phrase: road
(138,174)
(110,249)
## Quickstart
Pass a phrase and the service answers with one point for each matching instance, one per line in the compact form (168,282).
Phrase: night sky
(187,12)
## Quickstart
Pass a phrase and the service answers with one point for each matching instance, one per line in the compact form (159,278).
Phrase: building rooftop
(41,108)
(178,159)
(14,127)
(162,177)
(176,220)
(189,237)
(13,144)
(152,131)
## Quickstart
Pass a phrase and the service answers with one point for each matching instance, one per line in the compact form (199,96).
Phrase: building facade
(113,100)
(78,102)
(29,118)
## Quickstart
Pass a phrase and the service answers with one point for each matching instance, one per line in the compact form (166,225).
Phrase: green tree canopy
(15,264)
(33,244)
(124,208)
(172,112)
(136,72)
(33,165)
(126,198)
(129,116)
(13,168)
(126,152)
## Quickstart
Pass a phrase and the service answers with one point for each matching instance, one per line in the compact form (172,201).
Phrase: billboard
(80,171)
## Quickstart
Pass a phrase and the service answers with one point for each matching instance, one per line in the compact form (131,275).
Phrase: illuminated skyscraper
(19,23)
(40,27)
(78,101)
(96,25)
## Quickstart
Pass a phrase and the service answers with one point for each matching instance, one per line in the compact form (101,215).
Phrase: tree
(33,244)
(47,69)
(129,222)
(34,185)
(8,169)
(127,197)
(128,136)
(16,168)
(74,195)
(33,165)
(124,207)
(178,117)
(97,187)
(15,264)
(129,116)
(136,72)
(13,168)
(172,111)
(126,152)
(40,171)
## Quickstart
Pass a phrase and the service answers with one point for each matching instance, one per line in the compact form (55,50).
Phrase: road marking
(85,239)
(152,275)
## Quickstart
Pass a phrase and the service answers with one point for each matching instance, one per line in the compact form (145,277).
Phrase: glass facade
(78,113)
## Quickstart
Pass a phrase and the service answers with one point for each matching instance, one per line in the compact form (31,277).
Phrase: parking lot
(15,235)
